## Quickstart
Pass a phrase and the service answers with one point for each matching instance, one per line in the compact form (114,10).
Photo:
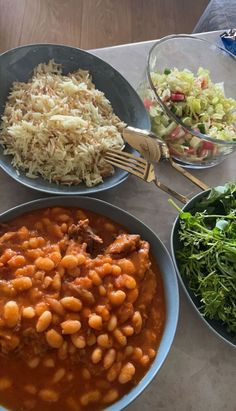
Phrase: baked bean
(128,330)
(128,350)
(126,374)
(33,242)
(70,326)
(91,339)
(132,295)
(109,358)
(78,341)
(90,397)
(34,362)
(95,321)
(44,263)
(22,283)
(103,312)
(72,316)
(86,374)
(96,355)
(109,227)
(28,312)
(102,290)
(47,282)
(34,254)
(59,374)
(110,396)
(69,261)
(81,259)
(137,353)
(55,256)
(72,349)
(11,313)
(56,282)
(5,383)
(49,363)
(137,322)
(30,388)
(16,261)
(71,303)
(64,227)
(49,395)
(56,306)
(127,266)
(151,353)
(112,323)
(23,233)
(104,341)
(117,297)
(40,308)
(144,360)
(70,376)
(44,321)
(95,277)
(120,337)
(113,372)
(63,351)
(54,339)
(129,282)
(116,270)
(106,268)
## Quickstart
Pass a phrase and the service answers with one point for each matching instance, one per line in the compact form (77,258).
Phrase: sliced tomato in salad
(147,103)
(178,96)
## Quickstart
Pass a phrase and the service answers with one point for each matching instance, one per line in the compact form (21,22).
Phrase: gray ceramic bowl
(159,252)
(18,64)
(216,326)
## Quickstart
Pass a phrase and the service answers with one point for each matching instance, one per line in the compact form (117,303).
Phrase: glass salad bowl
(189,91)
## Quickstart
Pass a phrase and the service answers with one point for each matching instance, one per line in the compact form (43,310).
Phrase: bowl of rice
(61,109)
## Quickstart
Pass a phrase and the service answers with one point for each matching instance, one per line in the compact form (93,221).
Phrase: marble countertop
(199,372)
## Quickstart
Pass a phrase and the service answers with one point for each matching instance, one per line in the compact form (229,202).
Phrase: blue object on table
(229,40)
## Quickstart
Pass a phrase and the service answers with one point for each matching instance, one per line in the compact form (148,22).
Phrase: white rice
(59,127)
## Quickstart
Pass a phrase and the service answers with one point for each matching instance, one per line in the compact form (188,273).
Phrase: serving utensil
(153,149)
(141,168)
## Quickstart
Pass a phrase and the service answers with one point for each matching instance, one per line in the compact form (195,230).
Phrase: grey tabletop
(200,371)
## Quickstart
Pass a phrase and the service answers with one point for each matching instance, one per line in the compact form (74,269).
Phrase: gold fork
(141,168)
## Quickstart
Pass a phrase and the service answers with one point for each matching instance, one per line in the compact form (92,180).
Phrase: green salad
(199,103)
(207,259)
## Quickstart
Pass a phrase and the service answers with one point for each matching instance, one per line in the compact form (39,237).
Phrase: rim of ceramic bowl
(174,258)
(163,105)
(169,276)
(56,190)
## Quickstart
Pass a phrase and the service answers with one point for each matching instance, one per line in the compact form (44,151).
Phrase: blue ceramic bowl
(160,254)
(216,326)
(18,64)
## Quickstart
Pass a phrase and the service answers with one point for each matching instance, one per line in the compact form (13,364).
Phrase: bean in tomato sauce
(82,311)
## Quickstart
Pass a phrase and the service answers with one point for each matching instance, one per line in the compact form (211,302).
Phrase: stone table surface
(199,373)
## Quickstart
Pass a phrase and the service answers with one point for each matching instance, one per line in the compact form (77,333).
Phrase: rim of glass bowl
(162,104)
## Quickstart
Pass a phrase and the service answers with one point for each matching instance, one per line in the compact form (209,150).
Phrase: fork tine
(118,153)
(135,166)
(124,167)
(132,165)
